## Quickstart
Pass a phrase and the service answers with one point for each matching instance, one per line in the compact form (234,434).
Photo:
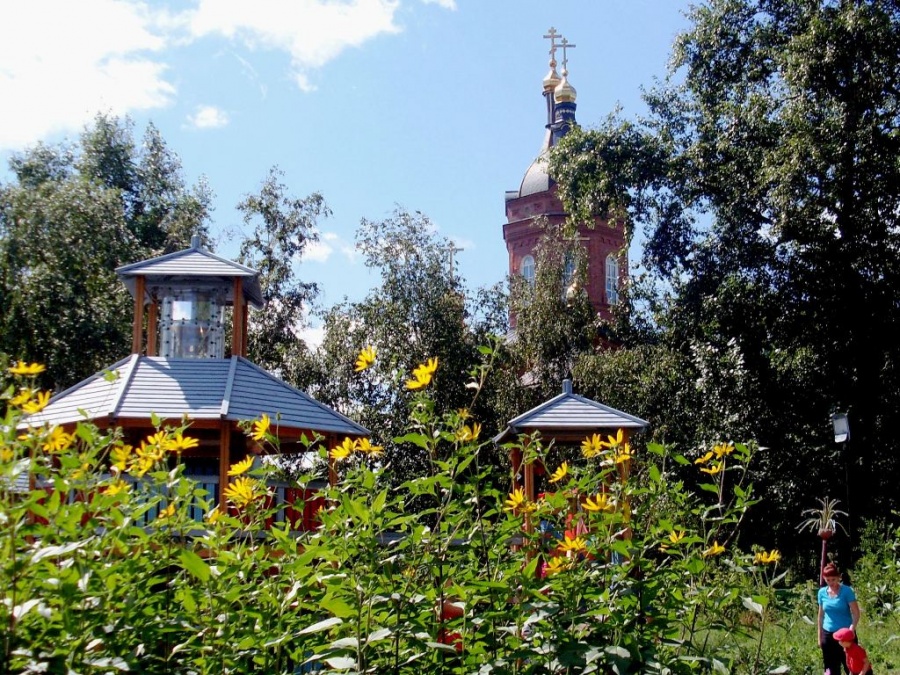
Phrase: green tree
(283,226)
(419,311)
(766,179)
(68,218)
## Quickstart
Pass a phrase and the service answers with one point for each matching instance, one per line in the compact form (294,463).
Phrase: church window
(612,279)
(527,269)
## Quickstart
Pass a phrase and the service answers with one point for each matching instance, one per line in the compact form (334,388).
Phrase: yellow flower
(120,455)
(556,565)
(599,503)
(516,500)
(592,446)
(22,368)
(58,440)
(560,473)
(213,516)
(463,413)
(242,491)
(769,558)
(117,487)
(142,465)
(715,549)
(82,471)
(178,443)
(6,454)
(261,428)
(676,536)
(344,450)
(703,460)
(365,359)
(364,445)
(624,454)
(468,433)
(167,512)
(241,467)
(22,397)
(723,449)
(576,545)
(422,374)
(714,469)
(38,404)
(151,453)
(157,439)
(614,441)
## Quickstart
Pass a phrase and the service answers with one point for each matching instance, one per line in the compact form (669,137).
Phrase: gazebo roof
(568,416)
(234,389)
(192,262)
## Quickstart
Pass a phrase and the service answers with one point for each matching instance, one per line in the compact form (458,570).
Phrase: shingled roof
(570,414)
(192,262)
(234,389)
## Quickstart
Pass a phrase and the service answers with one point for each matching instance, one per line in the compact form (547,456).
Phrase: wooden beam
(332,469)
(238,323)
(152,327)
(138,326)
(224,461)
(516,460)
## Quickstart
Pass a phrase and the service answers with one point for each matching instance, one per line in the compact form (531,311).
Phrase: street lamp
(841,424)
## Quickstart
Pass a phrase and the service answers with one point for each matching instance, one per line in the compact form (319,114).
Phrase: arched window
(527,269)
(612,279)
(569,269)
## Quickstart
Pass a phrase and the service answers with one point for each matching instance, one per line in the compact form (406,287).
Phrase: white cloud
(317,251)
(329,242)
(313,336)
(446,4)
(61,62)
(208,117)
(313,32)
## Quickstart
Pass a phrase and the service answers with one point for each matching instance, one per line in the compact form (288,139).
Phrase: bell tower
(536,197)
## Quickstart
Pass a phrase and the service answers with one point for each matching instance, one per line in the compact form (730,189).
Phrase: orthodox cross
(451,249)
(552,35)
(565,45)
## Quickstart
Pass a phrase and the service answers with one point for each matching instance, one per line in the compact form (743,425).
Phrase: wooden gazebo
(180,367)
(564,419)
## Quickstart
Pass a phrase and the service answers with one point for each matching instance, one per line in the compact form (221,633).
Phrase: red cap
(844,635)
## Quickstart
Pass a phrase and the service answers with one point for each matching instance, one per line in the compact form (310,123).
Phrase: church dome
(536,178)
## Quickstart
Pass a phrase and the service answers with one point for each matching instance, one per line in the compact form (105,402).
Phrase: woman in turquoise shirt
(838,609)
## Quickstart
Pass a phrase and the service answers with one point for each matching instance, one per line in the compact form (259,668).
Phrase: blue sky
(433,105)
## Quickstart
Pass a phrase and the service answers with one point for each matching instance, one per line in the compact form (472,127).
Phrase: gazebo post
(224,460)
(516,460)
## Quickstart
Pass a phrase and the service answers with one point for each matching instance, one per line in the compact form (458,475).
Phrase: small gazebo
(565,419)
(181,366)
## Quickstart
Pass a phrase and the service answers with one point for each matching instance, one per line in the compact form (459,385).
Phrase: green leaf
(319,626)
(341,662)
(753,606)
(194,564)
(416,439)
(336,606)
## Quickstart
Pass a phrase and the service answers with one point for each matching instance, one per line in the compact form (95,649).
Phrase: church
(536,197)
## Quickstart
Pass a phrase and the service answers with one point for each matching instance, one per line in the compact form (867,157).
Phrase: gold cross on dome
(552,35)
(565,45)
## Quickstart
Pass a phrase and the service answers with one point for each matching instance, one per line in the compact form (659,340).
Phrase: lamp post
(841,424)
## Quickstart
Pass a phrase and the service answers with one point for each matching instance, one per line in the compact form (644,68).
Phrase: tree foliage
(418,312)
(767,183)
(68,218)
(283,226)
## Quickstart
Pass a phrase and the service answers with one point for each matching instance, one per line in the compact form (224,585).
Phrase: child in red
(857,659)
